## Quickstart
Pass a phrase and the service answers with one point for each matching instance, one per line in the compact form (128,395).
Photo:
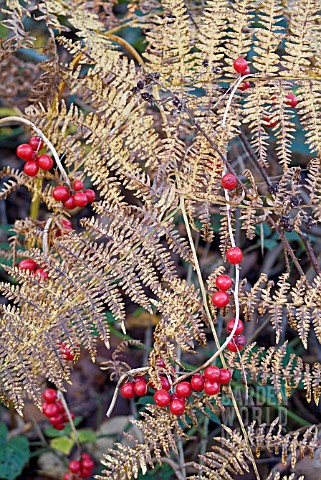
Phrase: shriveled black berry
(140,84)
(289,228)
(157,75)
(134,90)
(176,101)
(295,201)
(273,188)
(309,222)
(284,222)
(147,96)
(217,70)
(205,63)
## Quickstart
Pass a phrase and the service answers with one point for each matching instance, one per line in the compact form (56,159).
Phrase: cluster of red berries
(78,199)
(210,382)
(82,468)
(33,267)
(241,66)
(54,409)
(29,153)
(238,341)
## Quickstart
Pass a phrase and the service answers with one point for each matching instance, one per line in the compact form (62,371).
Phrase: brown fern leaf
(225,461)
(117,365)
(157,427)
(10,185)
(273,438)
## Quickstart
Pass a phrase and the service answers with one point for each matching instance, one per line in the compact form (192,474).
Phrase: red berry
(239,328)
(87,463)
(41,273)
(165,383)
(269,123)
(237,343)
(85,473)
(293,101)
(244,86)
(160,363)
(229,181)
(66,352)
(127,390)
(74,466)
(26,152)
(90,194)
(80,199)
(61,408)
(50,395)
(56,420)
(28,264)
(225,376)
(138,378)
(212,373)
(177,407)
(223,282)
(68,476)
(162,398)
(240,341)
(211,388)
(234,255)
(246,72)
(184,389)
(31,168)
(67,224)
(240,65)
(85,455)
(220,299)
(175,396)
(36,143)
(140,388)
(45,162)
(197,382)
(78,185)
(61,426)
(70,203)
(50,409)
(60,193)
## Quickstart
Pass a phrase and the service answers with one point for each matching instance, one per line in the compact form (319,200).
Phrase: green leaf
(62,444)
(13,457)
(86,435)
(3,433)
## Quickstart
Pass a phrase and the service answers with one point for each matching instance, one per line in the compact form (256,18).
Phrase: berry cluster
(78,199)
(220,298)
(82,468)
(210,382)
(29,153)
(32,266)
(54,409)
